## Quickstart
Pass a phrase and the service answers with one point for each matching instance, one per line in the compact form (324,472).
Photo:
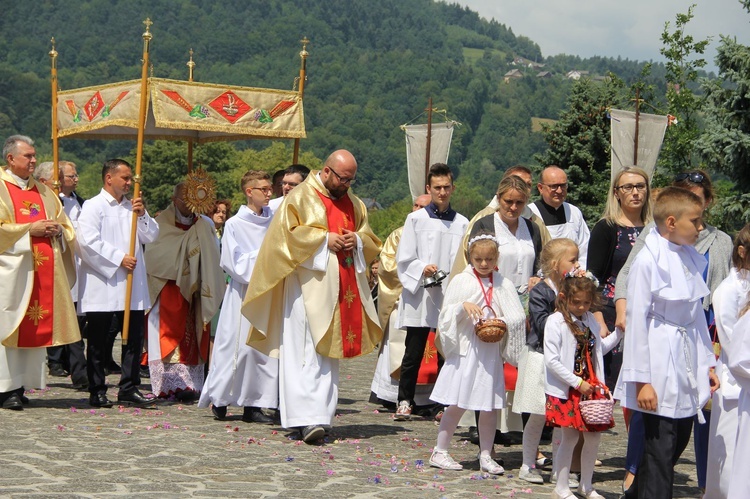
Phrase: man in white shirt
(562,219)
(429,243)
(71,357)
(293,176)
(104,239)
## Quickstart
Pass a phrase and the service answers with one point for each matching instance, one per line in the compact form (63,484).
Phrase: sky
(631,29)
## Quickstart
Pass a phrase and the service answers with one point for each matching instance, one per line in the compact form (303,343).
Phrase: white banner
(416,149)
(651,128)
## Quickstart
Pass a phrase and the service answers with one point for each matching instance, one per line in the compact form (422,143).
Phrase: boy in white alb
(431,238)
(241,375)
(668,353)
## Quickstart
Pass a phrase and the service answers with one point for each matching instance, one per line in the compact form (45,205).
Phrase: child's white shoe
(488,465)
(591,494)
(441,459)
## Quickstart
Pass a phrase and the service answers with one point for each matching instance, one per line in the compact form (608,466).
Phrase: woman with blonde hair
(627,211)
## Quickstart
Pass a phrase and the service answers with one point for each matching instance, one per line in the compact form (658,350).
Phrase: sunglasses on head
(694,177)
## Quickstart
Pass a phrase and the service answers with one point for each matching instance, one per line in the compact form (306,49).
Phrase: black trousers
(71,356)
(98,345)
(666,439)
(416,340)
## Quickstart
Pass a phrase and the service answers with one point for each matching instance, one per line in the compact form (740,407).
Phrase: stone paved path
(59,447)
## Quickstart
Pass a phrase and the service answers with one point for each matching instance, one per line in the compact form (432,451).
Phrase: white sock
(532,434)
(487,426)
(448,423)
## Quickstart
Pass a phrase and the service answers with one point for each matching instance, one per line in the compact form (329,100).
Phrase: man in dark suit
(67,358)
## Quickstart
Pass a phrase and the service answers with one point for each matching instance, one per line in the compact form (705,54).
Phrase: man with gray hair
(36,265)
(71,357)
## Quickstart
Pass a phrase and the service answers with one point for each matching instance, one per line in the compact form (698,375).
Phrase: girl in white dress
(728,299)
(472,376)
(559,257)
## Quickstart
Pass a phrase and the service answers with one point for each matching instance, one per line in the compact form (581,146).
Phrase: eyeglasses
(71,177)
(290,184)
(630,187)
(554,187)
(694,177)
(264,190)
(345,181)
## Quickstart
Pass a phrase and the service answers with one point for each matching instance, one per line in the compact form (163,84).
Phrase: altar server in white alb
(241,375)
(561,218)
(668,353)
(104,240)
(729,299)
(431,238)
(739,365)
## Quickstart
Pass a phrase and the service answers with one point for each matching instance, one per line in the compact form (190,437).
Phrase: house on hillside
(513,74)
(522,61)
(544,74)
(576,74)
(371,204)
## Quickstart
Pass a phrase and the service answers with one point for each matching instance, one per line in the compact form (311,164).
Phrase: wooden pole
(637,118)
(429,142)
(55,152)
(301,88)
(191,67)
(137,177)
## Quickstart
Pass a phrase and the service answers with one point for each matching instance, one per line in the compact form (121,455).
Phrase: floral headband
(480,237)
(579,272)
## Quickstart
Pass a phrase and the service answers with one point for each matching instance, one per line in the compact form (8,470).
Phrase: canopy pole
(301,89)
(191,67)
(55,152)
(137,178)
(637,119)
(429,142)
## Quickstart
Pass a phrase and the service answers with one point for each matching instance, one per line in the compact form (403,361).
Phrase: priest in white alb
(309,301)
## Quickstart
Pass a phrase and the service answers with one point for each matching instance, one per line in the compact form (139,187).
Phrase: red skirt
(566,414)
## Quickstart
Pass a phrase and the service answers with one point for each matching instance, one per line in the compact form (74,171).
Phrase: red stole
(177,325)
(36,327)
(428,368)
(340,215)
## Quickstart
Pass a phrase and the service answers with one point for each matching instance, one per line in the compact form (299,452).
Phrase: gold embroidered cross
(429,352)
(36,312)
(39,258)
(349,297)
(350,337)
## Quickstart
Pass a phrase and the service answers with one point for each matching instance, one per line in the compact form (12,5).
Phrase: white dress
(728,300)
(472,377)
(739,365)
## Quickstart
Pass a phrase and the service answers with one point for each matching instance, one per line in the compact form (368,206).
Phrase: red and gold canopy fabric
(181,110)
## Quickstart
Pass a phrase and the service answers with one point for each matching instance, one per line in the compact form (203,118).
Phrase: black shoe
(186,396)
(81,384)
(312,433)
(99,400)
(145,373)
(13,402)
(134,399)
(24,399)
(57,370)
(220,412)
(112,368)
(255,415)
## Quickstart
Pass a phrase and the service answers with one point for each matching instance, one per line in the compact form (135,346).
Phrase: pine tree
(579,143)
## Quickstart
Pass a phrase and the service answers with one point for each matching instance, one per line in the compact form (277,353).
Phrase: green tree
(579,143)
(678,152)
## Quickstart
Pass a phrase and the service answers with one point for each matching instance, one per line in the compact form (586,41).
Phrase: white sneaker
(530,475)
(488,465)
(591,494)
(403,412)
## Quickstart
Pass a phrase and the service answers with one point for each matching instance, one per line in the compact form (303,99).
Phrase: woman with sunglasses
(716,246)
